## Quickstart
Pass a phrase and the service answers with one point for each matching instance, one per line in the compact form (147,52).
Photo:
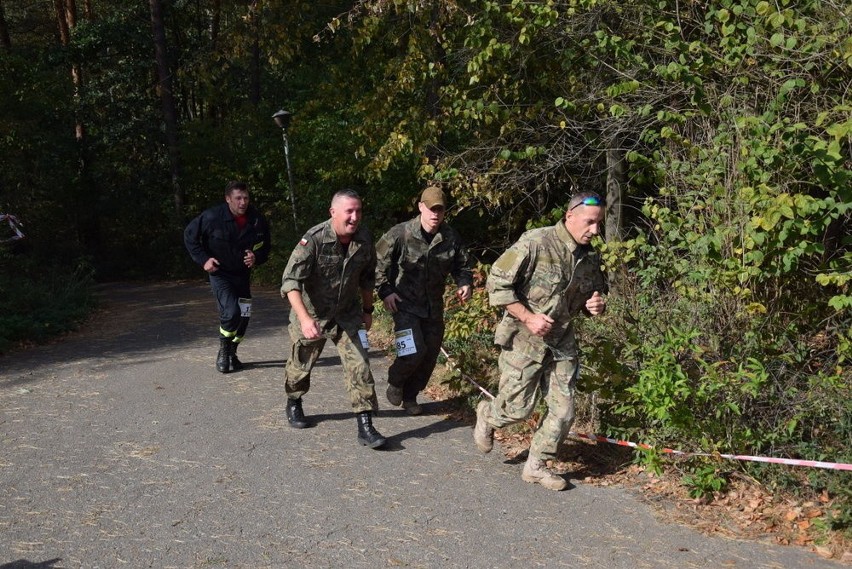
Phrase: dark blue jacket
(214,233)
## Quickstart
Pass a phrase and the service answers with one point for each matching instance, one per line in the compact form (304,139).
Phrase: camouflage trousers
(522,382)
(412,372)
(357,376)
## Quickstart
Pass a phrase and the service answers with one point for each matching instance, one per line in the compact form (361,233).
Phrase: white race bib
(245,307)
(405,342)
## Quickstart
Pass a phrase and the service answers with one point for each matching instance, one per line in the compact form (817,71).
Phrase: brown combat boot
(536,472)
(483,433)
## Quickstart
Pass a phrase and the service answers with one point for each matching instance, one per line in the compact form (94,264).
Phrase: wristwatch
(368,309)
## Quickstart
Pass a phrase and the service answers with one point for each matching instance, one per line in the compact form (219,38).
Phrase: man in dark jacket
(228,240)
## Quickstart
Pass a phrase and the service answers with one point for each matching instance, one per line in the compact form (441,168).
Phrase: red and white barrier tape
(470,379)
(768,459)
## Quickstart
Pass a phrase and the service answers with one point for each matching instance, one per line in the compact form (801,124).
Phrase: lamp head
(282,118)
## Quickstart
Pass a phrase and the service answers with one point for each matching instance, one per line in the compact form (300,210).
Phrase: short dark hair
(235,185)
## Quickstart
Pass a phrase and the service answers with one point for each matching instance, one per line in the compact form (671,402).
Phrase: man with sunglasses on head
(414,259)
(546,279)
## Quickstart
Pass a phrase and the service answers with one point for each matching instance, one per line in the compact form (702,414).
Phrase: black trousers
(229,289)
(412,372)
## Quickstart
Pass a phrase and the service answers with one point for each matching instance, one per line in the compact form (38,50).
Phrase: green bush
(469,336)
(41,301)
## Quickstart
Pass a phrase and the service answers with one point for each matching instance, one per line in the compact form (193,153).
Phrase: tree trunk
(5,39)
(616,181)
(85,191)
(254,82)
(64,33)
(215,19)
(211,102)
(66,18)
(167,101)
(71,13)
(433,101)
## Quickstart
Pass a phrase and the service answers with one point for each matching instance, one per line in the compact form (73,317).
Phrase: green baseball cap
(432,196)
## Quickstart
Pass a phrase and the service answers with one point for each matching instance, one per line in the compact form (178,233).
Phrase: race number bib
(245,307)
(405,342)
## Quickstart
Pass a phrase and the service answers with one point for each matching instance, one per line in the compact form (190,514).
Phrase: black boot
(367,434)
(223,358)
(295,415)
(236,365)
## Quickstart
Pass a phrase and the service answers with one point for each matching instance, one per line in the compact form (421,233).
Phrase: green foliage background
(729,324)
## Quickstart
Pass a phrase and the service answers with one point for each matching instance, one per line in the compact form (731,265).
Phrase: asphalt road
(123,447)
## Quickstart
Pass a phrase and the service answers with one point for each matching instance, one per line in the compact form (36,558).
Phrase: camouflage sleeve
(461,267)
(387,256)
(300,265)
(506,272)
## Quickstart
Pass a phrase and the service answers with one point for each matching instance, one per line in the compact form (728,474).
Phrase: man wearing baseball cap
(414,259)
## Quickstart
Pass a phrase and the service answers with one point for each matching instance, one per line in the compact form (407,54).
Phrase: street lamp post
(282,119)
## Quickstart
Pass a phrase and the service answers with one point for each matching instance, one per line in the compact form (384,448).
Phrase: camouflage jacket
(417,270)
(330,279)
(549,273)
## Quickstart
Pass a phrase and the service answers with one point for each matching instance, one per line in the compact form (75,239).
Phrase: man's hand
(596,304)
(390,302)
(212,265)
(310,328)
(368,320)
(463,293)
(538,324)
(249,258)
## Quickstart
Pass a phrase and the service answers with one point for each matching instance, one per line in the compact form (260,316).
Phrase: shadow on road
(145,321)
(395,442)
(24,564)
(262,364)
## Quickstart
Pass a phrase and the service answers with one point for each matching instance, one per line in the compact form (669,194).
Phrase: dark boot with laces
(223,358)
(236,364)
(295,415)
(367,434)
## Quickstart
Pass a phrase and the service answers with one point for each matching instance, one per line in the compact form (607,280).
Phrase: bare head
(584,216)
(345,213)
(237,197)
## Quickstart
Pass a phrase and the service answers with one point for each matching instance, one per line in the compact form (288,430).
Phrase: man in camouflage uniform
(545,280)
(414,259)
(329,282)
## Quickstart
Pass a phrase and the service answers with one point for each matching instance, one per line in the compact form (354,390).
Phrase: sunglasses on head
(590,200)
